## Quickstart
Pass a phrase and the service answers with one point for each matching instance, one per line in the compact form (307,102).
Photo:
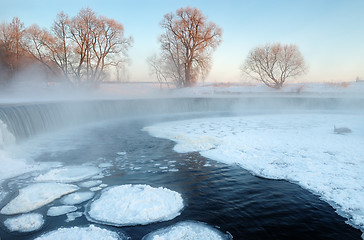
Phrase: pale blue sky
(329,33)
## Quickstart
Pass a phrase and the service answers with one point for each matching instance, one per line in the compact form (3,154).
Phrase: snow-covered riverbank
(301,148)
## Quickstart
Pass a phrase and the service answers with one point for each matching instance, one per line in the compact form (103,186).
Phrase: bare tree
(81,49)
(187,44)
(38,44)
(60,47)
(156,68)
(273,64)
(12,40)
(109,48)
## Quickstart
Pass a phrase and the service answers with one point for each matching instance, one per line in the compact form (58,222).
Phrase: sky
(329,33)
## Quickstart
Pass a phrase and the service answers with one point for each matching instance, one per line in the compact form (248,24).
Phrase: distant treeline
(89,48)
(86,48)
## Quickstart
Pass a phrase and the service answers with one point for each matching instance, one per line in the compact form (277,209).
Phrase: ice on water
(89,184)
(60,210)
(77,198)
(73,215)
(301,148)
(25,223)
(82,233)
(188,230)
(128,205)
(35,196)
(69,174)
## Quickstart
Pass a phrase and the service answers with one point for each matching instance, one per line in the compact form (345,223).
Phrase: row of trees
(189,40)
(79,49)
(86,47)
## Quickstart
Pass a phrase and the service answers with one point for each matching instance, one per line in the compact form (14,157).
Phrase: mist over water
(54,127)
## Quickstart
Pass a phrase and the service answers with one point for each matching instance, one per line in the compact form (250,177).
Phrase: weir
(26,120)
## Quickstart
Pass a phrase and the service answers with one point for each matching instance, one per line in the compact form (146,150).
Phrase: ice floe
(77,198)
(301,148)
(128,205)
(60,210)
(188,230)
(25,223)
(82,233)
(69,174)
(89,184)
(95,189)
(73,215)
(35,196)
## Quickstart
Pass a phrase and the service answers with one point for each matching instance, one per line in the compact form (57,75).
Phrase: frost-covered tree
(187,44)
(273,64)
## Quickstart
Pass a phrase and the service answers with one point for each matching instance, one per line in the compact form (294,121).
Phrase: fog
(31,104)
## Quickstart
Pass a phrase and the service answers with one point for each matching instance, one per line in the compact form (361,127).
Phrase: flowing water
(228,197)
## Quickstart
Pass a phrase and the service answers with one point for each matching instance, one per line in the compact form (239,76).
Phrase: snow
(60,210)
(35,196)
(301,148)
(89,184)
(128,205)
(69,174)
(77,198)
(81,233)
(25,223)
(187,230)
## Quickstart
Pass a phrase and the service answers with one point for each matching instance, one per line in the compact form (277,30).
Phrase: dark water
(246,206)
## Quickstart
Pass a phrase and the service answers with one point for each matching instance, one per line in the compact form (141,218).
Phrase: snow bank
(187,230)
(69,174)
(77,198)
(128,205)
(299,148)
(84,233)
(60,210)
(25,223)
(35,196)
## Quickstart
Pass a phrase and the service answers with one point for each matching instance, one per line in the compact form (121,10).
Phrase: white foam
(60,210)
(187,230)
(135,204)
(6,137)
(25,223)
(69,174)
(77,198)
(81,233)
(301,148)
(89,184)
(35,196)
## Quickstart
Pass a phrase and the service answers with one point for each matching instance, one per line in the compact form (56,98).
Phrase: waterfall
(27,120)
(6,137)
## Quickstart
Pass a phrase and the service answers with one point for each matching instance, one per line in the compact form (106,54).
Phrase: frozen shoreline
(300,148)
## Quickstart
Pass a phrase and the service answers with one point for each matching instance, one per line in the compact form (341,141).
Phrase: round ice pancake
(82,233)
(25,222)
(188,230)
(129,205)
